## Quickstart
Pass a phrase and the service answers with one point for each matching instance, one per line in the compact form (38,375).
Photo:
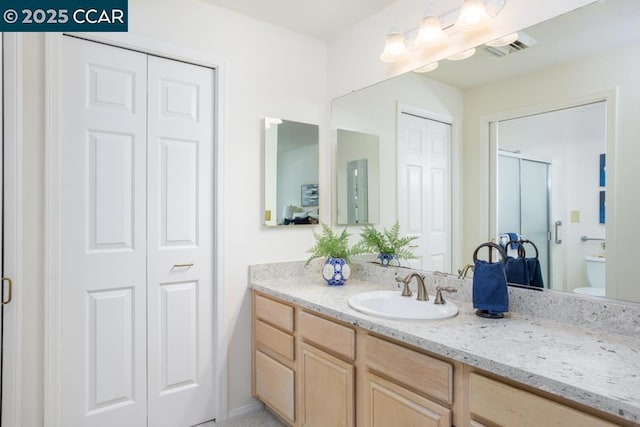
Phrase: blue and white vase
(336,271)
(388,259)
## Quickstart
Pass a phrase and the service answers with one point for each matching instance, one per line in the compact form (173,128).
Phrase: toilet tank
(596,271)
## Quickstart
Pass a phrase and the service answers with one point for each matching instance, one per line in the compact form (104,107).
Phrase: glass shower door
(534,181)
(523,204)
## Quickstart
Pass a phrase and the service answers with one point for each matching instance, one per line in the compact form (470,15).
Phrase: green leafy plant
(332,245)
(387,241)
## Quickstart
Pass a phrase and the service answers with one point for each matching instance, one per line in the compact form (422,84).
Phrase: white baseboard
(245,410)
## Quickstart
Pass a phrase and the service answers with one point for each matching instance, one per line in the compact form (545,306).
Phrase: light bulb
(430,33)
(394,47)
(473,16)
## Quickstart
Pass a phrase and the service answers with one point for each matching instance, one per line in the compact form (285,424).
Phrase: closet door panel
(103,241)
(180,241)
(179,193)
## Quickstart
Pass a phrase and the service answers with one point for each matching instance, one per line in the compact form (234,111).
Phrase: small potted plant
(336,248)
(387,243)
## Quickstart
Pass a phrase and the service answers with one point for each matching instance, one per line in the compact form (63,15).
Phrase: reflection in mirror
(425,148)
(291,162)
(578,59)
(357,172)
(549,164)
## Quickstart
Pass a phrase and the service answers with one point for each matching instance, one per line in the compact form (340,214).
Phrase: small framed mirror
(357,166)
(291,178)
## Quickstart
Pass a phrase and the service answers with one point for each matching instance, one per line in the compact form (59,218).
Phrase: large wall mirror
(543,146)
(291,162)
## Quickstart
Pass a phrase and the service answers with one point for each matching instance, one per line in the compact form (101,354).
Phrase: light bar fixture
(472,15)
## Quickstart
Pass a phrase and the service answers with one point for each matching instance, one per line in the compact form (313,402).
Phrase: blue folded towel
(490,287)
(514,239)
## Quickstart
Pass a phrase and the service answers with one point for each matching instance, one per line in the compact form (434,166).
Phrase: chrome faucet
(422,290)
(463,272)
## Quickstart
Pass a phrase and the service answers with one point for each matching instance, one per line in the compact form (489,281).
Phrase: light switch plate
(575,216)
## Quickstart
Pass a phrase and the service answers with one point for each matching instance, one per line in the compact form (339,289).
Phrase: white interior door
(103,239)
(180,244)
(137,223)
(424,189)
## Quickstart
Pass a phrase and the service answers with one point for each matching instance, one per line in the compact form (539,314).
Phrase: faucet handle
(404,280)
(439,289)
(406,292)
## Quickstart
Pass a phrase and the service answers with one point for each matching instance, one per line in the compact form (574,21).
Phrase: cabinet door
(327,390)
(274,385)
(388,404)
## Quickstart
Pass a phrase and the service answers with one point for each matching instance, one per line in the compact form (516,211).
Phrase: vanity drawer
(503,404)
(274,339)
(274,313)
(334,337)
(274,385)
(431,376)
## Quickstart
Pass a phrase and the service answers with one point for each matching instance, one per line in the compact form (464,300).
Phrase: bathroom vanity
(317,362)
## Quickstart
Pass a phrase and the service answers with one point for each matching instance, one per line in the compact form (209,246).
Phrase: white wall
(559,86)
(269,72)
(354,56)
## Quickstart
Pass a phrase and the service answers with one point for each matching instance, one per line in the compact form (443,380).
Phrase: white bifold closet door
(137,298)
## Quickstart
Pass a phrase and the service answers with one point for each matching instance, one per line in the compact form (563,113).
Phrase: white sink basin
(392,305)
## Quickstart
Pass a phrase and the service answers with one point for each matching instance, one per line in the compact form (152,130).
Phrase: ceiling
(323,19)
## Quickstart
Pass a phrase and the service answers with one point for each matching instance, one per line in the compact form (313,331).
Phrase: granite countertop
(598,369)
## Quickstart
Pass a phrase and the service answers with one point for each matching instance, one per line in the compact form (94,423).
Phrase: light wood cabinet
(493,402)
(273,355)
(327,389)
(326,371)
(389,404)
(274,385)
(317,372)
(405,387)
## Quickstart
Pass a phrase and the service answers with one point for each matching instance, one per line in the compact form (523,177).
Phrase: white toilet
(596,275)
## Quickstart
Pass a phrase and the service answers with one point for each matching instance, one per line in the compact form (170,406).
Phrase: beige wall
(560,86)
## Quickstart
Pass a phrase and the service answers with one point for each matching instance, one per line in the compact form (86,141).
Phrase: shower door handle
(557,224)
